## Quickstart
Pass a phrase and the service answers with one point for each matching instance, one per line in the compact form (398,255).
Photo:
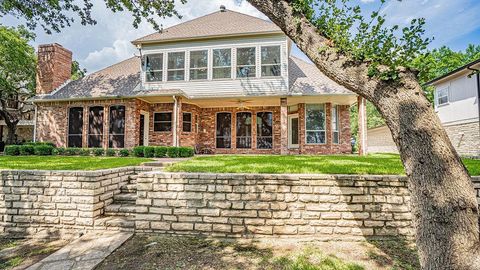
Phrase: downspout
(35,124)
(175,117)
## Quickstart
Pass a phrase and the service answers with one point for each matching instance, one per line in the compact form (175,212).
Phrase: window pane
(154,62)
(95,127)
(198,59)
(199,74)
(187,122)
(222,73)
(246,56)
(75,127)
(244,72)
(176,60)
(162,116)
(117,127)
(315,137)
(187,117)
(244,130)
(177,75)
(162,126)
(223,130)
(315,117)
(222,57)
(273,70)
(264,130)
(335,118)
(162,121)
(154,76)
(336,137)
(271,55)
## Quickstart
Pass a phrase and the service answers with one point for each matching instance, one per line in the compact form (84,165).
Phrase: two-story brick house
(222,83)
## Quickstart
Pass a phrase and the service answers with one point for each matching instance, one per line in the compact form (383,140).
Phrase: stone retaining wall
(47,203)
(329,207)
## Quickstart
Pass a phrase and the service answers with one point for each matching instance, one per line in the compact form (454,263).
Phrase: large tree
(373,61)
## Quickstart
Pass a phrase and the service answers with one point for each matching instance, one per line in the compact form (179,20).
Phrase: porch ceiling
(257,101)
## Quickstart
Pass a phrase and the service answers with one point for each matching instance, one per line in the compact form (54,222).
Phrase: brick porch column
(362,126)
(283,126)
(179,121)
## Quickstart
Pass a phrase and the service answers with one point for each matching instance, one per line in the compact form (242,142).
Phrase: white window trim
(155,122)
(305,123)
(269,65)
(256,129)
(154,70)
(200,68)
(254,65)
(337,127)
(185,63)
(191,122)
(231,64)
(231,129)
(437,96)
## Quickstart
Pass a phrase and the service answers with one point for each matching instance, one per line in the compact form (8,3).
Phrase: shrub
(72,151)
(124,153)
(172,152)
(161,151)
(26,150)
(98,152)
(149,151)
(43,150)
(110,152)
(40,143)
(12,150)
(84,152)
(185,152)
(138,151)
(59,151)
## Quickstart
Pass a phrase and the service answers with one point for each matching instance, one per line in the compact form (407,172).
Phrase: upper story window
(154,67)
(442,96)
(176,66)
(222,64)
(271,61)
(246,62)
(199,65)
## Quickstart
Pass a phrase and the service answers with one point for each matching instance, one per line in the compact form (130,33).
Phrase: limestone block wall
(48,203)
(465,137)
(233,205)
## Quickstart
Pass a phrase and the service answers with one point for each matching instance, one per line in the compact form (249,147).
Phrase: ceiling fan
(242,103)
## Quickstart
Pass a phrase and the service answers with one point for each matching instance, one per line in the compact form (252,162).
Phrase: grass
(344,164)
(67,163)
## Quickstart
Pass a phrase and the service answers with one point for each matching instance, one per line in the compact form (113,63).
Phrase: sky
(454,23)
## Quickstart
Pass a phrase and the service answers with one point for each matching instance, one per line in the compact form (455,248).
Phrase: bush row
(140,151)
(162,151)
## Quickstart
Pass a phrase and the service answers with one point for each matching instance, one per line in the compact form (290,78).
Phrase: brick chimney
(54,67)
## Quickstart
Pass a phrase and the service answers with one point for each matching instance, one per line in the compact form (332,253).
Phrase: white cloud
(367,1)
(121,49)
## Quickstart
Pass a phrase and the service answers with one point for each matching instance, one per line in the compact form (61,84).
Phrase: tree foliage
(77,71)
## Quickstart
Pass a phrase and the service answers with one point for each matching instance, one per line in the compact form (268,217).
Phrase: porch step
(125,198)
(129,188)
(115,223)
(118,209)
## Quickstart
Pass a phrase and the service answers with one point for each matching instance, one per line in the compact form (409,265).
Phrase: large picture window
(271,61)
(95,126)
(244,130)
(154,67)
(264,130)
(187,122)
(315,123)
(222,64)
(176,66)
(117,127)
(199,65)
(224,130)
(75,127)
(246,60)
(335,125)
(162,121)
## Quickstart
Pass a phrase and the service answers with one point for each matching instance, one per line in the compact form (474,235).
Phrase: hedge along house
(222,83)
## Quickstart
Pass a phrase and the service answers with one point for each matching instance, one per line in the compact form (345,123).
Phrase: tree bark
(444,205)
(11,131)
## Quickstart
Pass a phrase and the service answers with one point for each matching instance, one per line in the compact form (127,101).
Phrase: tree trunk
(11,131)
(444,206)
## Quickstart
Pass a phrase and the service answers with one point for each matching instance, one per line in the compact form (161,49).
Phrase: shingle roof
(306,79)
(122,80)
(215,24)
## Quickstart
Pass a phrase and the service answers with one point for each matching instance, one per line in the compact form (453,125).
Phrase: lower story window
(95,126)
(315,123)
(75,127)
(244,130)
(162,121)
(117,127)
(335,125)
(224,130)
(264,130)
(187,122)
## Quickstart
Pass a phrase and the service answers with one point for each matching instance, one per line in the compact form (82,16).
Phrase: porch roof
(122,80)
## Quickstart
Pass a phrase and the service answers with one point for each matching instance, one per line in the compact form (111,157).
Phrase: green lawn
(67,163)
(346,164)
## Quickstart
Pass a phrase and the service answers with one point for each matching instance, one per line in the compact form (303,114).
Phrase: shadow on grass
(398,252)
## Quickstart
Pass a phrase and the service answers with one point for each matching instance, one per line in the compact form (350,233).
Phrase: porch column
(362,126)
(283,126)
(179,120)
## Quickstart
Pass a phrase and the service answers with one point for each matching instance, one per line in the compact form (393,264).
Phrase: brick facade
(52,121)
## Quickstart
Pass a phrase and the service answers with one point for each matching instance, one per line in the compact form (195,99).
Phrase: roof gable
(217,24)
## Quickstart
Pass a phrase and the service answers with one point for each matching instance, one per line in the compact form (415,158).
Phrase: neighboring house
(457,105)
(24,130)
(380,140)
(222,83)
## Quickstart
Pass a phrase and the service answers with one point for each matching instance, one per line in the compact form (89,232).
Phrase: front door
(293,131)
